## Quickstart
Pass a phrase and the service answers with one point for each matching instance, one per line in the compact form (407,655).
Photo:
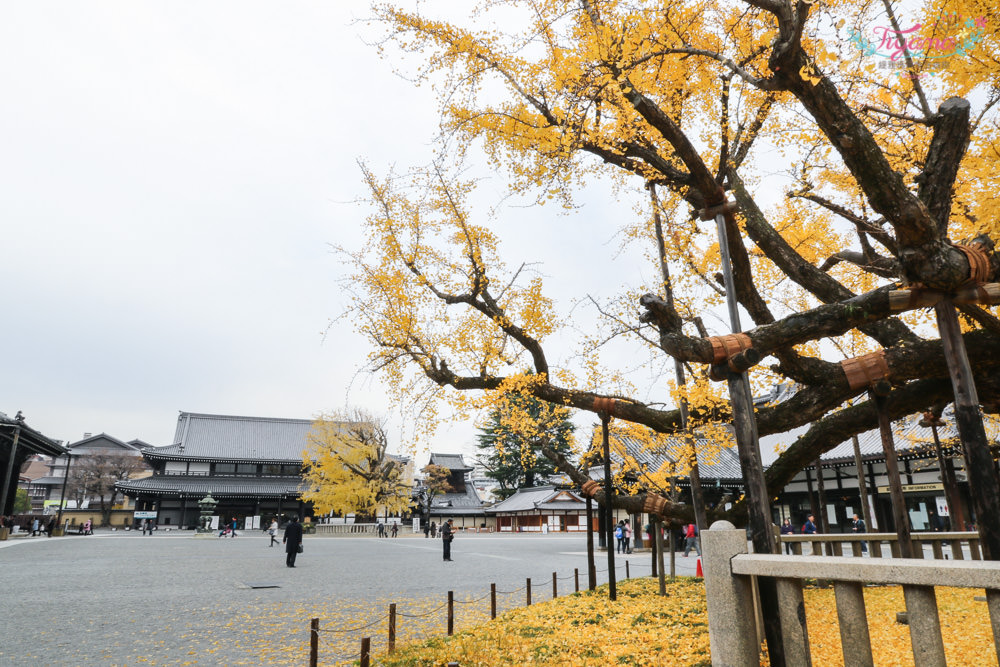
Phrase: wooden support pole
(451,613)
(392,628)
(866,511)
(956,515)
(628,575)
(899,516)
(527,592)
(658,541)
(591,565)
(314,642)
(555,586)
(984,485)
(653,543)
(366,651)
(748,446)
(609,519)
(493,601)
(824,525)
(576,580)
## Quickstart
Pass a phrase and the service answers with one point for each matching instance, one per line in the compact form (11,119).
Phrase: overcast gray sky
(171,177)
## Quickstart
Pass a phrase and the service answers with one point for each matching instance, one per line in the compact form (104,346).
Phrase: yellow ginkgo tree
(890,148)
(347,469)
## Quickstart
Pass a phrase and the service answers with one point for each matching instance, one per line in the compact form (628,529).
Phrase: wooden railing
(849,544)
(729,585)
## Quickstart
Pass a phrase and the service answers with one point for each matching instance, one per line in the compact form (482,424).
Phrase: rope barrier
(360,627)
(432,611)
(516,590)
(472,601)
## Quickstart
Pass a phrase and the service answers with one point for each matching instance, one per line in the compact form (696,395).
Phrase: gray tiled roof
(450,461)
(230,438)
(723,465)
(539,497)
(468,499)
(219,486)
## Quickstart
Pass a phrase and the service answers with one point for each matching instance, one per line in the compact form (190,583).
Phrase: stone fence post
(732,629)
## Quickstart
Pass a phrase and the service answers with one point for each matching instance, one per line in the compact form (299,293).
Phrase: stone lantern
(207,506)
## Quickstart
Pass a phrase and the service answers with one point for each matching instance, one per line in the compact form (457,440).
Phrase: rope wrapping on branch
(590,488)
(604,405)
(979,262)
(865,370)
(654,504)
(724,347)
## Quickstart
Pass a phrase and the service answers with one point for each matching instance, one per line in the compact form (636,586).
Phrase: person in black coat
(447,535)
(292,540)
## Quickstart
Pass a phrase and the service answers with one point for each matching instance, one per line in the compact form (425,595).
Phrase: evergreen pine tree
(510,443)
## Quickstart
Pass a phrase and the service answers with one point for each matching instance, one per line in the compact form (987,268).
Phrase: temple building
(250,465)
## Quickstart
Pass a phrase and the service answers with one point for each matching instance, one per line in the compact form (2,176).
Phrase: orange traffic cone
(698,572)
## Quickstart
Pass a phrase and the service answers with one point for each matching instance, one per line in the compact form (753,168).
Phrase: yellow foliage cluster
(347,469)
(642,628)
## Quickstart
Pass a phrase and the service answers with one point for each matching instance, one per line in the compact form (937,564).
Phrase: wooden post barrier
(366,651)
(493,601)
(314,642)
(555,587)
(627,574)
(576,580)
(528,592)
(392,627)
(451,613)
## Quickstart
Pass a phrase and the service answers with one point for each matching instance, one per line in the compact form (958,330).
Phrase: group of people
(809,528)
(623,537)
(36,525)
(430,530)
(382,532)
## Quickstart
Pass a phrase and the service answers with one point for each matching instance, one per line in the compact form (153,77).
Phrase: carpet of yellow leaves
(642,628)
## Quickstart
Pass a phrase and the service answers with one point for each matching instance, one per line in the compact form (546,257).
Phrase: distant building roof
(540,498)
(220,487)
(722,464)
(450,461)
(102,441)
(231,438)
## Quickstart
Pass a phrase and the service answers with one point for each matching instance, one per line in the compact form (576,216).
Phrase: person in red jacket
(691,539)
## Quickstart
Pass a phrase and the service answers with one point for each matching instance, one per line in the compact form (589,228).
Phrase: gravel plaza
(172,599)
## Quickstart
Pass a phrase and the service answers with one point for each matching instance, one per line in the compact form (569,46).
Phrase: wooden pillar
(591,566)
(608,517)
(984,485)
(866,512)
(955,518)
(748,446)
(900,519)
(824,525)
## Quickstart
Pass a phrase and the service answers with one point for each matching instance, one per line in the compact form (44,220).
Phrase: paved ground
(126,599)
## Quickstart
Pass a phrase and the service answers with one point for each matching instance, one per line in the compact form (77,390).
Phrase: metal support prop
(824,525)
(62,496)
(983,481)
(658,540)
(745,425)
(609,520)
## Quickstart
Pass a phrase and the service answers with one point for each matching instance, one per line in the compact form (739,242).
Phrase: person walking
(691,540)
(51,526)
(427,530)
(394,530)
(858,526)
(292,540)
(433,529)
(788,529)
(234,527)
(34,527)
(809,527)
(619,536)
(447,535)
(627,537)
(273,531)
